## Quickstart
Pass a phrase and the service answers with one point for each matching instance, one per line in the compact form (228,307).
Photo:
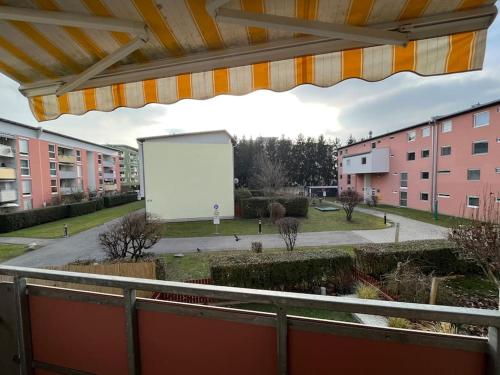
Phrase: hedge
(240,194)
(255,207)
(119,199)
(436,256)
(291,271)
(81,208)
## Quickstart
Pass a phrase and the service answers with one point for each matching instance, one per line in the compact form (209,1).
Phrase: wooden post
(434,289)
(396,235)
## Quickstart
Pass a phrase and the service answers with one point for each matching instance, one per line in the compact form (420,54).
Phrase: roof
(473,108)
(79,56)
(233,140)
(119,147)
(39,128)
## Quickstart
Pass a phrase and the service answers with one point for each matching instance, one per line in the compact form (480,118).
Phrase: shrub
(82,208)
(257,193)
(119,199)
(276,211)
(408,283)
(24,219)
(99,204)
(256,247)
(349,199)
(257,207)
(399,323)
(365,291)
(431,256)
(295,206)
(288,228)
(75,197)
(292,271)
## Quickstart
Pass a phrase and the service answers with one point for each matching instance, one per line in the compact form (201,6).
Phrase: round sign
(216,206)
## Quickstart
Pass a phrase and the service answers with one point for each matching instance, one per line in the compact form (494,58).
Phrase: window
(410,156)
(446,126)
(24,147)
(339,166)
(79,171)
(348,162)
(424,175)
(26,187)
(374,144)
(443,195)
(341,177)
(480,147)
(498,140)
(403,179)
(78,155)
(53,168)
(445,150)
(498,199)
(27,204)
(99,159)
(481,119)
(472,201)
(348,179)
(412,136)
(363,160)
(497,170)
(25,167)
(473,174)
(53,186)
(425,153)
(52,151)
(424,196)
(403,198)
(426,131)
(444,171)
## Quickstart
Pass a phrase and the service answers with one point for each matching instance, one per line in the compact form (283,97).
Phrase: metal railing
(281,300)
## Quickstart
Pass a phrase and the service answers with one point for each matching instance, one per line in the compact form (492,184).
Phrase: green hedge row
(290,271)
(24,219)
(436,256)
(256,207)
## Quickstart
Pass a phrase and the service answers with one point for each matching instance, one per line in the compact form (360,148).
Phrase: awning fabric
(188,52)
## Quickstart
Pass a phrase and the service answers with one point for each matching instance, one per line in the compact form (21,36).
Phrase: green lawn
(194,266)
(76,224)
(315,222)
(8,251)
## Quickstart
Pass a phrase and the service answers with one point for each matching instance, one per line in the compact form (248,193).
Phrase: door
(403,198)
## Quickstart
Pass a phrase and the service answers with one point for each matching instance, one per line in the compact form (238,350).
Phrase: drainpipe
(434,149)
(39,136)
(142,188)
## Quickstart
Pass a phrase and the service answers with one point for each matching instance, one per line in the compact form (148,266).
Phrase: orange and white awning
(82,55)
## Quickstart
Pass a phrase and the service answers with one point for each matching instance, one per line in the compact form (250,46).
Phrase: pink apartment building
(451,162)
(39,166)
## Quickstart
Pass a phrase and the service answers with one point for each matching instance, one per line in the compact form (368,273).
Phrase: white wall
(184,180)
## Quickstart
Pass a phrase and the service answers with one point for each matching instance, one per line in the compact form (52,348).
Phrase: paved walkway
(85,245)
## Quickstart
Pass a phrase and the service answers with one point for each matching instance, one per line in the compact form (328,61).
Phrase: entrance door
(403,198)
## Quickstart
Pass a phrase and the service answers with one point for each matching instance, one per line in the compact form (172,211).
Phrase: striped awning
(74,56)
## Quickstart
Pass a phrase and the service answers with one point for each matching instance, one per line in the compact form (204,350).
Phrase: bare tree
(270,175)
(276,212)
(132,235)
(288,228)
(349,199)
(478,239)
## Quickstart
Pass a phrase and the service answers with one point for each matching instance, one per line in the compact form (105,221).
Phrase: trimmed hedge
(436,256)
(291,271)
(81,208)
(119,199)
(255,207)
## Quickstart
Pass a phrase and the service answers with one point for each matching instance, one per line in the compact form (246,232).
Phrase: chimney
(370,133)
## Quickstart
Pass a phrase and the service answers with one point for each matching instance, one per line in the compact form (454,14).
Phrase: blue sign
(216,206)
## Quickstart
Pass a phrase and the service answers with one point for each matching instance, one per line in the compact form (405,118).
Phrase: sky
(350,107)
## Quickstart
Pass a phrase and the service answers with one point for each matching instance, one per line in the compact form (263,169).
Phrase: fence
(176,297)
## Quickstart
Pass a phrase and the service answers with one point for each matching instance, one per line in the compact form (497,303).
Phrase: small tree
(288,228)
(478,239)
(349,199)
(270,175)
(132,235)
(276,211)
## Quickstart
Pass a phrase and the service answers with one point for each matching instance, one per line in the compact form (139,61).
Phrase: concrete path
(27,241)
(85,244)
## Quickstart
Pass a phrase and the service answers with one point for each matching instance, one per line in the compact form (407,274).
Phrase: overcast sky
(353,106)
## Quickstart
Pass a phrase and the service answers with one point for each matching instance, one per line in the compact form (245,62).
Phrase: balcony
(8,195)
(108,176)
(108,163)
(63,174)
(109,187)
(7,173)
(6,151)
(73,331)
(374,161)
(69,190)
(66,159)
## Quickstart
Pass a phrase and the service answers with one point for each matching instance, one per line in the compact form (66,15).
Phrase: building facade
(129,166)
(450,164)
(38,167)
(188,176)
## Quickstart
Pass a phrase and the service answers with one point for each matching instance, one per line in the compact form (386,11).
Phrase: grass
(194,266)
(315,222)
(76,224)
(300,311)
(8,251)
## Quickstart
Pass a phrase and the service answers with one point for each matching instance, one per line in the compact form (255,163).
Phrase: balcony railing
(108,163)
(108,176)
(66,159)
(7,173)
(67,174)
(69,189)
(8,195)
(69,331)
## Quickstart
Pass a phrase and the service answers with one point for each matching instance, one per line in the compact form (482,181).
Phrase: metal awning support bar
(323,29)
(23,325)
(283,299)
(49,17)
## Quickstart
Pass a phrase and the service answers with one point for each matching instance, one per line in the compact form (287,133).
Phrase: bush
(288,228)
(256,247)
(257,207)
(24,219)
(276,211)
(99,204)
(365,291)
(408,283)
(399,323)
(82,208)
(291,271)
(436,256)
(119,199)
(257,193)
